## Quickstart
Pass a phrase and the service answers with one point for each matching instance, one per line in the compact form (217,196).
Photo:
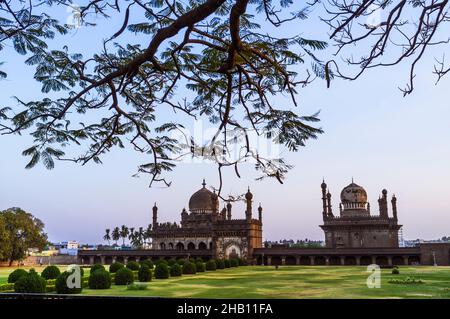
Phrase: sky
(372,134)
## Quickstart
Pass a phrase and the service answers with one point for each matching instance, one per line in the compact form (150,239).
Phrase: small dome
(353,193)
(201,201)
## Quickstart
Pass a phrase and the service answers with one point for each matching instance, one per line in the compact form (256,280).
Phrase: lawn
(290,282)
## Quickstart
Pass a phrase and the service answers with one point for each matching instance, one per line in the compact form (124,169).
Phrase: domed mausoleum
(355,226)
(204,227)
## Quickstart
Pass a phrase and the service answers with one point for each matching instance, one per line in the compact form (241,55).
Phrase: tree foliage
(21,231)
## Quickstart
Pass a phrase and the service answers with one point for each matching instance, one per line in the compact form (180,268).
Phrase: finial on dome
(204,183)
(249,195)
(352,180)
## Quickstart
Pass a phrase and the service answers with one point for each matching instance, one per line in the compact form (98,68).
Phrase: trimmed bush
(395,271)
(115,267)
(220,264)
(211,265)
(133,265)
(199,259)
(161,271)
(16,274)
(200,266)
(161,261)
(227,263)
(148,262)
(50,272)
(144,273)
(189,268)
(30,283)
(241,262)
(61,284)
(100,279)
(171,262)
(176,270)
(124,276)
(181,262)
(234,262)
(97,267)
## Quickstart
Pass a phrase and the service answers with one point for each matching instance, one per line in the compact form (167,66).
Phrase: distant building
(355,227)
(205,228)
(67,247)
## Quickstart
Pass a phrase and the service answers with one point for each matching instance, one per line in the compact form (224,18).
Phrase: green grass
(290,282)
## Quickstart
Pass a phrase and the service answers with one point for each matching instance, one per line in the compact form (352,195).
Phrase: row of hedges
(52,280)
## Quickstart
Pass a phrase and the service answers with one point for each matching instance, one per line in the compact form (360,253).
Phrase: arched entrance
(180,246)
(350,261)
(276,260)
(290,260)
(97,260)
(162,246)
(381,261)
(413,260)
(202,246)
(191,246)
(365,260)
(335,260)
(305,260)
(398,261)
(108,260)
(320,260)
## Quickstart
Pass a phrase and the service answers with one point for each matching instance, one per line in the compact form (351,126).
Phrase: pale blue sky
(372,134)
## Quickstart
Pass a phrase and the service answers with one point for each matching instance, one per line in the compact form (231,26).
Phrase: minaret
(155,216)
(223,213)
(324,199)
(260,213)
(330,212)
(229,210)
(394,206)
(383,204)
(214,206)
(248,211)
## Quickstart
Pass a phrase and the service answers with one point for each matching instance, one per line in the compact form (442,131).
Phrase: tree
(241,75)
(23,231)
(115,235)
(124,231)
(215,49)
(107,236)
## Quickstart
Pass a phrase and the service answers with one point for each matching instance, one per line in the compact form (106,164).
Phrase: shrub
(99,279)
(16,274)
(161,261)
(30,283)
(115,267)
(227,263)
(137,286)
(50,272)
(241,262)
(181,262)
(189,268)
(199,259)
(124,276)
(395,271)
(200,266)
(176,270)
(61,284)
(211,265)
(220,264)
(97,267)
(234,262)
(144,273)
(171,262)
(133,265)
(7,287)
(161,271)
(148,262)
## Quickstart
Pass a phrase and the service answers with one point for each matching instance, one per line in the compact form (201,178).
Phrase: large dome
(201,201)
(353,193)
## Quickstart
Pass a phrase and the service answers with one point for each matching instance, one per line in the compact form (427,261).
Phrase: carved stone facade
(355,227)
(205,228)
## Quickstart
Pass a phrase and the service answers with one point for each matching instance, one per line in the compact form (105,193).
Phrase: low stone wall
(44,260)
